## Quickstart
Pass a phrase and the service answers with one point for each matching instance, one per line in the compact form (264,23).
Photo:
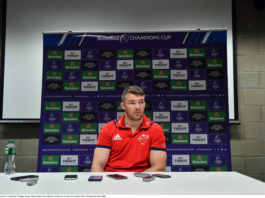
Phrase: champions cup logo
(124,38)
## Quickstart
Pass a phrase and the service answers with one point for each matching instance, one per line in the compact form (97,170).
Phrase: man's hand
(100,159)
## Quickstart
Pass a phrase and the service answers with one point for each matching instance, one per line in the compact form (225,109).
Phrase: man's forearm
(155,169)
(97,168)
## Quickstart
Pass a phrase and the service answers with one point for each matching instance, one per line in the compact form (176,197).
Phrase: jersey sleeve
(104,138)
(158,141)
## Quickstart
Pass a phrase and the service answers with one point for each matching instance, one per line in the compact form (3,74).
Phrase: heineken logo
(53,106)
(196,52)
(107,85)
(216,116)
(198,105)
(70,139)
(71,86)
(143,64)
(70,117)
(55,55)
(215,63)
(88,128)
(125,54)
(50,160)
(51,128)
(179,85)
(72,65)
(89,75)
(180,139)
(199,159)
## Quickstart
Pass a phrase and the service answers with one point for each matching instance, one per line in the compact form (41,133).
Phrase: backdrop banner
(183,74)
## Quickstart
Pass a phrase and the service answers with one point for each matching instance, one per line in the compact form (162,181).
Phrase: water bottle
(10,153)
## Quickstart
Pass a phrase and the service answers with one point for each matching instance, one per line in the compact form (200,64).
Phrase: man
(132,143)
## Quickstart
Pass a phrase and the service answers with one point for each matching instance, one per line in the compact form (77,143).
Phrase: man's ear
(122,105)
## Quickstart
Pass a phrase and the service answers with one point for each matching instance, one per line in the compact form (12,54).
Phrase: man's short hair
(132,90)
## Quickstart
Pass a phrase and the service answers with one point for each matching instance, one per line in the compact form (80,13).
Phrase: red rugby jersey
(130,153)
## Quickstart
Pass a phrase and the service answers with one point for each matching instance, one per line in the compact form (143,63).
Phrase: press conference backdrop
(26,21)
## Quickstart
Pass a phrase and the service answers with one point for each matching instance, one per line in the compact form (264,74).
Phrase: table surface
(180,183)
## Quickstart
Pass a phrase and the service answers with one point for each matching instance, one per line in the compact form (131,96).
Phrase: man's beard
(133,117)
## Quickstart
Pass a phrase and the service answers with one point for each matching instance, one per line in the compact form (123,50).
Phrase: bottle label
(10,151)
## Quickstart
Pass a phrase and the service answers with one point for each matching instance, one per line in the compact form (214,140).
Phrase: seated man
(132,143)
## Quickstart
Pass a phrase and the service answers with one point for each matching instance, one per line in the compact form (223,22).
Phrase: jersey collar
(145,124)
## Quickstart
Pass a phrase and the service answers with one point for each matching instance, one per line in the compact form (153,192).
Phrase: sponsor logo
(198,139)
(72,54)
(55,55)
(51,139)
(88,139)
(215,63)
(216,105)
(165,127)
(218,160)
(122,85)
(106,116)
(53,106)
(124,75)
(161,105)
(51,128)
(179,85)
(180,139)
(50,160)
(179,105)
(125,64)
(107,75)
(196,52)
(160,53)
(107,106)
(215,85)
(180,116)
(198,116)
(117,138)
(218,168)
(71,76)
(69,160)
(196,63)
(178,53)
(89,106)
(52,117)
(124,38)
(198,105)
(196,85)
(168,138)
(72,65)
(71,86)
(70,139)
(89,75)
(71,117)
(142,64)
(68,169)
(178,75)
(215,74)
(89,117)
(89,65)
(88,128)
(143,139)
(198,127)
(142,75)
(199,168)
(107,86)
(160,74)
(178,63)
(199,159)
(142,54)
(180,160)
(217,127)
(217,139)
(71,128)
(89,86)
(107,54)
(197,74)
(54,75)
(125,54)
(161,85)
(71,106)
(216,116)
(85,160)
(180,128)
(53,86)
(160,64)
(90,54)
(100,126)
(107,64)
(161,116)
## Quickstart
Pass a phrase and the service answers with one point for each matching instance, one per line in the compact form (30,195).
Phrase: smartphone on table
(95,178)
(161,175)
(70,177)
(117,176)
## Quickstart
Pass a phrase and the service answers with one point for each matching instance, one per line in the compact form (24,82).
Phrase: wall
(247,139)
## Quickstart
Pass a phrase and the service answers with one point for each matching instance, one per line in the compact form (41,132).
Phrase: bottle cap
(11,141)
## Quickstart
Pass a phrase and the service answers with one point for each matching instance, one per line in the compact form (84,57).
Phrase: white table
(180,183)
